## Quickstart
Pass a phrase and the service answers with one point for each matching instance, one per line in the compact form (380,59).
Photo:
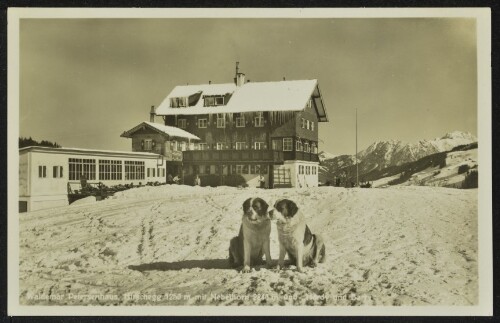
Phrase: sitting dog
(295,238)
(253,240)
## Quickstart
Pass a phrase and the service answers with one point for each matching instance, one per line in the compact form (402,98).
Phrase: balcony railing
(275,156)
(300,155)
(232,155)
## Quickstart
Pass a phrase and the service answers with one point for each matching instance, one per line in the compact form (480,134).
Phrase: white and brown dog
(295,238)
(253,240)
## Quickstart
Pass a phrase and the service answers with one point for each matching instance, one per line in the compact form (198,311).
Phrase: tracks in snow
(147,248)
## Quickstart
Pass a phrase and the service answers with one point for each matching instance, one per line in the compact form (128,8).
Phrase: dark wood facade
(253,141)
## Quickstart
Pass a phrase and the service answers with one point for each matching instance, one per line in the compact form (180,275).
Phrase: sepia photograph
(203,161)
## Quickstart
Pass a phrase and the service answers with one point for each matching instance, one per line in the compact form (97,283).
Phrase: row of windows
(212,101)
(306,124)
(134,170)
(79,167)
(110,169)
(307,170)
(221,121)
(57,171)
(251,169)
(285,144)
(208,101)
(156,172)
(305,147)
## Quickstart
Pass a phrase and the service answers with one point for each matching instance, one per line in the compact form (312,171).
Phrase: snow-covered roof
(167,130)
(206,89)
(85,151)
(249,97)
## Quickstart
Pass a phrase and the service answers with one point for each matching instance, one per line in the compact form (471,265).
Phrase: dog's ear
(263,204)
(247,204)
(277,205)
(292,208)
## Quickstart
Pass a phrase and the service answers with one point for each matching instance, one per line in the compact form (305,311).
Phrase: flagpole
(357,170)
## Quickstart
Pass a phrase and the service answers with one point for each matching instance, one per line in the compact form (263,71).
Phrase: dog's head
(283,210)
(255,209)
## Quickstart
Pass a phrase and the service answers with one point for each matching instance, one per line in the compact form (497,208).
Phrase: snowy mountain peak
(383,154)
(459,135)
(324,155)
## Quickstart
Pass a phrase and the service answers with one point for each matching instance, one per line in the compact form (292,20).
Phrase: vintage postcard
(211,161)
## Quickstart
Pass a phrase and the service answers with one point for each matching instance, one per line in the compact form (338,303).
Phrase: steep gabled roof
(249,97)
(163,129)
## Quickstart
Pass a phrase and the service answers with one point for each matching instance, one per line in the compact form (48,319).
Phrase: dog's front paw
(246,269)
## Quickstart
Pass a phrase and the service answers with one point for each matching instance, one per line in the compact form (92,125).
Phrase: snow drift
(168,245)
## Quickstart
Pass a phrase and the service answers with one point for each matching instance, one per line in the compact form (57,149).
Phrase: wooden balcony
(300,155)
(232,156)
(273,156)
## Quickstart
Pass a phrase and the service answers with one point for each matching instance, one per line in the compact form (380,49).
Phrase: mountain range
(383,154)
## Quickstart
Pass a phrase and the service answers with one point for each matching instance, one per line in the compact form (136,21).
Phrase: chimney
(209,82)
(152,114)
(284,79)
(239,79)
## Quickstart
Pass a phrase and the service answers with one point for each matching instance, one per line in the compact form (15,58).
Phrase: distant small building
(46,174)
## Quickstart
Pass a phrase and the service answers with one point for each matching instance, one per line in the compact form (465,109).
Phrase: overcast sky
(85,81)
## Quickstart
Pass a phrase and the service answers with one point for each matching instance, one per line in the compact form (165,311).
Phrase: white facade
(45,173)
(302,173)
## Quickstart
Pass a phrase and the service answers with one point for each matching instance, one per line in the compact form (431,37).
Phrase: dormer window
(213,101)
(178,102)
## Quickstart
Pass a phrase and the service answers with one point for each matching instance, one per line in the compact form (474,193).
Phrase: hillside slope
(441,170)
(391,153)
(168,245)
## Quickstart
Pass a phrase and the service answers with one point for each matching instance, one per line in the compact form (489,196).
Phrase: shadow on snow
(184,264)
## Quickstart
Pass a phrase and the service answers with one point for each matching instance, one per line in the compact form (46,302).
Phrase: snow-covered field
(168,245)
(435,176)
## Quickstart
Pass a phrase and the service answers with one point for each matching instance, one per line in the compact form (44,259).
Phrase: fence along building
(46,174)
(250,128)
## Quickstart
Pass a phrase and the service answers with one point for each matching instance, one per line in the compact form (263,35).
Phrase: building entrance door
(282,178)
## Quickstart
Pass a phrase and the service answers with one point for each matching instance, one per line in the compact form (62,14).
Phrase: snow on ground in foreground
(168,245)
